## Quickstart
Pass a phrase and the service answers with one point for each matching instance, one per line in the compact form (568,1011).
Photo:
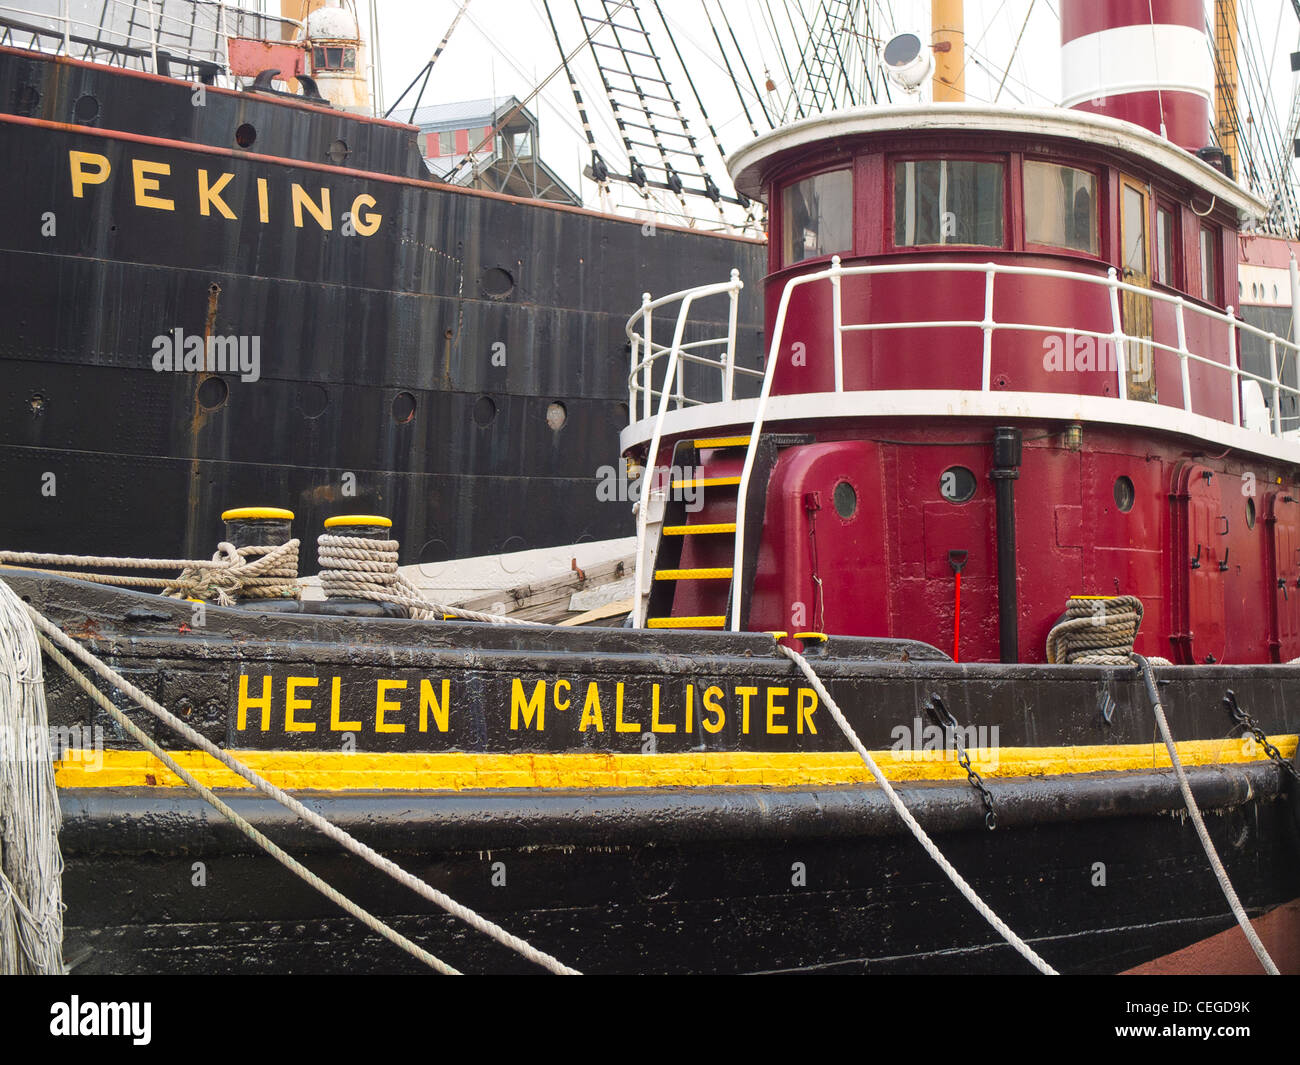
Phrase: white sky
(505,46)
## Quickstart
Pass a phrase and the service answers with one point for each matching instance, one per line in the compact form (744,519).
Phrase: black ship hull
(453,357)
(645,801)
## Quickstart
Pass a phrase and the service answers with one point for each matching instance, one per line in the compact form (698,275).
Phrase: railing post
(67,27)
(1236,376)
(1277,391)
(986,368)
(729,358)
(647,363)
(1182,354)
(837,322)
(1118,337)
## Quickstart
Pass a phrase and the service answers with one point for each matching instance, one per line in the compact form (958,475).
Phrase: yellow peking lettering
(335,724)
(81,177)
(533,707)
(555,695)
(264,703)
(619,724)
(745,695)
(263,201)
(712,695)
(368,226)
(429,701)
(690,707)
(655,725)
(291,686)
(210,195)
(146,175)
(382,688)
(321,213)
(591,712)
(774,711)
(807,704)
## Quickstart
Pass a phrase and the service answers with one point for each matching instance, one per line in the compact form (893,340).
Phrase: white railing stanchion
(837,321)
(652,456)
(1277,392)
(1117,334)
(1181,320)
(1235,370)
(647,369)
(986,367)
(729,356)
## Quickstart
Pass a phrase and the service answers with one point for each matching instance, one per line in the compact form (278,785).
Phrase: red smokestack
(1145,61)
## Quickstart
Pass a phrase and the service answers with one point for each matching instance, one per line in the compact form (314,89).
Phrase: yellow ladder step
(707,482)
(699,530)
(687,623)
(721,441)
(718,573)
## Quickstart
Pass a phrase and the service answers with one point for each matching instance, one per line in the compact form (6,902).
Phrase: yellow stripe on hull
(707,482)
(713,622)
(458,771)
(721,441)
(693,574)
(699,530)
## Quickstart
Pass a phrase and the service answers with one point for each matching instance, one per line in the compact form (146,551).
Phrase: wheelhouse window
(948,201)
(1134,229)
(1061,207)
(817,216)
(330,58)
(1209,264)
(1166,243)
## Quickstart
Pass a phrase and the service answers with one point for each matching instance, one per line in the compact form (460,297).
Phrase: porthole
(496,282)
(957,484)
(403,407)
(27,98)
(1125,496)
(846,500)
(213,393)
(85,110)
(312,400)
(556,415)
(339,152)
(485,410)
(1250,513)
(245,135)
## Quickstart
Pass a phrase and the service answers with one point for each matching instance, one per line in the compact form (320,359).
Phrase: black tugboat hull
(638,850)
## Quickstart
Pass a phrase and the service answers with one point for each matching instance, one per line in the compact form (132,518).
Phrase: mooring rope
(354,567)
(31,867)
(1096,631)
(1153,693)
(247,572)
(1023,948)
(332,831)
(298,869)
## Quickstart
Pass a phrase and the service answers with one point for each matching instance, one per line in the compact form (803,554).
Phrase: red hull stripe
(1082,17)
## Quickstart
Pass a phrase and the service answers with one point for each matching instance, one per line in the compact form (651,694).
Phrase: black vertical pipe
(1006,471)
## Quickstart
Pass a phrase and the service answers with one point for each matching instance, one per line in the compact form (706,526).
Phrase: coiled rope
(31,867)
(354,567)
(1023,948)
(332,831)
(1096,631)
(1153,693)
(244,572)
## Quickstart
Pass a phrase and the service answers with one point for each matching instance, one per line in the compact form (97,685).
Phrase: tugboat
(1003,380)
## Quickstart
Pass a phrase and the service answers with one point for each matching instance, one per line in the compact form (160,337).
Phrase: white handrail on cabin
(678,353)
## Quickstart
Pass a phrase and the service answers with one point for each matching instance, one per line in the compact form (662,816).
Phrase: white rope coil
(1096,631)
(332,831)
(354,567)
(31,867)
(1024,949)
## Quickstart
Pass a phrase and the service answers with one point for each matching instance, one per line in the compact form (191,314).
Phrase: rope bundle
(355,567)
(1096,632)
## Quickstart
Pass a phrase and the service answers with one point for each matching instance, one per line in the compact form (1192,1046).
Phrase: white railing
(645,353)
(185,29)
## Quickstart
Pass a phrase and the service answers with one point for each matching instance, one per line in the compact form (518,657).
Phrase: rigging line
(785,63)
(991,70)
(677,107)
(739,93)
(577,93)
(717,143)
(970,50)
(524,103)
(835,43)
(741,56)
(1023,26)
(633,165)
(802,57)
(813,45)
(428,67)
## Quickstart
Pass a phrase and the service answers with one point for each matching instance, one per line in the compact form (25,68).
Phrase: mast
(298,10)
(1225,96)
(948,39)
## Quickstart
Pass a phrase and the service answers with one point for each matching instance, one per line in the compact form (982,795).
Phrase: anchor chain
(949,723)
(1247,722)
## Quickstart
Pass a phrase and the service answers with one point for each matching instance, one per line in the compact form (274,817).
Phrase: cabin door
(1135,239)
